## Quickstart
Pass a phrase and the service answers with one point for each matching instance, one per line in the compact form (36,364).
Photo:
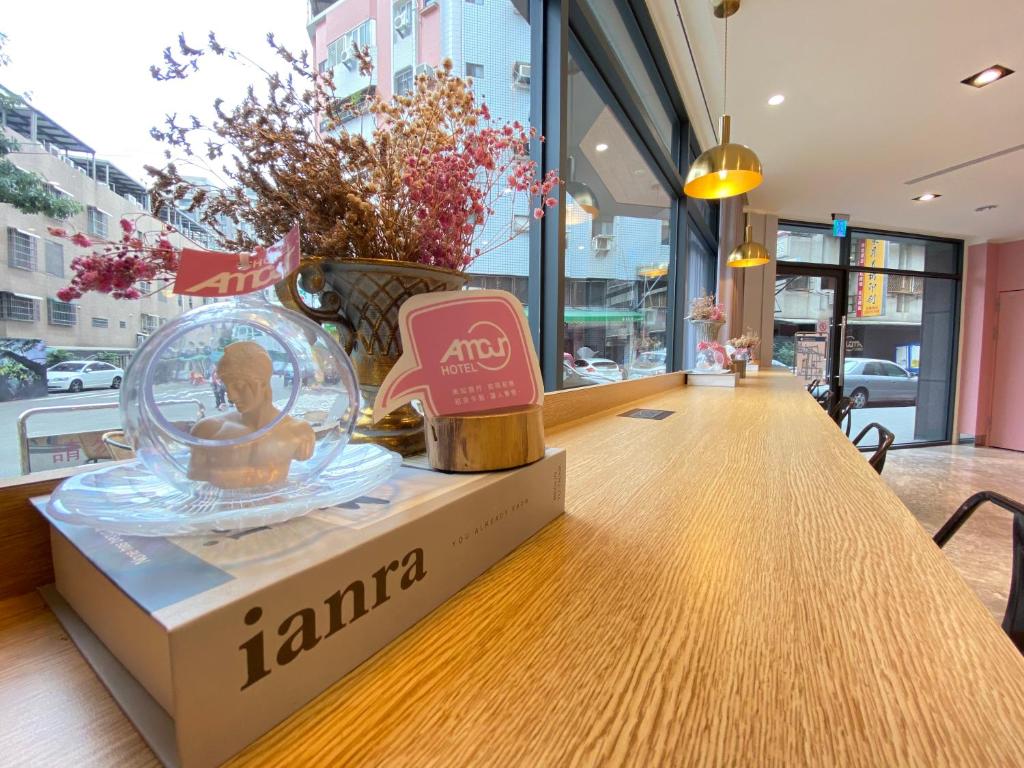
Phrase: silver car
(870,381)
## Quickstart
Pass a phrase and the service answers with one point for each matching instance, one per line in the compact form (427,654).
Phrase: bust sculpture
(246,370)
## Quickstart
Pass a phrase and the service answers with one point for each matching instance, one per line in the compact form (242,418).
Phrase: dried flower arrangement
(116,266)
(418,190)
(749,341)
(704,308)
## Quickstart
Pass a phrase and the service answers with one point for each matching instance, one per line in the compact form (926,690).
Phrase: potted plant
(384,213)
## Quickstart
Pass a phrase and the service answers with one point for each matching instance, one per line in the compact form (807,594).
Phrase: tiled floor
(933,482)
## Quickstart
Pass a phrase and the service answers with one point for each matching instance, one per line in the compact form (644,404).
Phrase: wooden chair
(885,440)
(1013,620)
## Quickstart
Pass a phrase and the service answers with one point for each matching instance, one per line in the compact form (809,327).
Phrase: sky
(86,64)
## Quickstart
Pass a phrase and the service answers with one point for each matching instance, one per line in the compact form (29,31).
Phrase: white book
(207,642)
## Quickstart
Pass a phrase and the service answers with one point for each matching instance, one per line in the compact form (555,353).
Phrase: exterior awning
(579,316)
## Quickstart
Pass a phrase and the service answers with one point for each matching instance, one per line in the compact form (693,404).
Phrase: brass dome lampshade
(727,169)
(748,253)
(584,197)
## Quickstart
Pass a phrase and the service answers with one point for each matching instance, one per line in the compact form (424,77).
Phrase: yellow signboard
(871,285)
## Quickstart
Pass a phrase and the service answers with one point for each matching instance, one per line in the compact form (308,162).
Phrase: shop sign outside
(870,301)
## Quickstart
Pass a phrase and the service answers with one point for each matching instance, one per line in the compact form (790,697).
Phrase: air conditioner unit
(521,74)
(602,244)
(403,22)
(348,58)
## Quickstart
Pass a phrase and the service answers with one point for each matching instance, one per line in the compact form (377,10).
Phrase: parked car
(868,380)
(76,375)
(648,364)
(600,367)
(571,378)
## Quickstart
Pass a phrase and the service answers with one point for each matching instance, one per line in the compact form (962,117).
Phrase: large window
(898,355)
(617,242)
(807,245)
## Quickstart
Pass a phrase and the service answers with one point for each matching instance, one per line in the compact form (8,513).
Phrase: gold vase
(363,296)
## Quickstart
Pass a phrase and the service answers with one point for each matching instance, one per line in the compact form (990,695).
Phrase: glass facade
(617,241)
(899,297)
(619,250)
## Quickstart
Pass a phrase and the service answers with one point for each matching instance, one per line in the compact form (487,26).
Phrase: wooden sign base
(481,442)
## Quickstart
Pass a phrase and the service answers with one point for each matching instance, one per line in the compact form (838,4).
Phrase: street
(71,422)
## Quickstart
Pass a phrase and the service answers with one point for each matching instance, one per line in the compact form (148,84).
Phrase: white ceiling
(873,99)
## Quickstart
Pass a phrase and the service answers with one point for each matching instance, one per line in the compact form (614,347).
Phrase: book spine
(240,670)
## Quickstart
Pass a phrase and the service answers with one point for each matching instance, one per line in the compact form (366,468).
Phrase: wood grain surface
(731,585)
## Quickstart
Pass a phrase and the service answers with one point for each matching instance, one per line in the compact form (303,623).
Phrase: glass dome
(243,395)
(239,412)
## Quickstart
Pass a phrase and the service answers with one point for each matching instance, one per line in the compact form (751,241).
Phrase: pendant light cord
(725,71)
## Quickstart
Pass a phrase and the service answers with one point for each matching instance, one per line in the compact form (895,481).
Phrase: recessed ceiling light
(777,99)
(601,147)
(987,76)
(926,197)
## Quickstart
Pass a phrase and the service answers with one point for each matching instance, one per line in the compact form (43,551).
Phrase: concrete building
(35,265)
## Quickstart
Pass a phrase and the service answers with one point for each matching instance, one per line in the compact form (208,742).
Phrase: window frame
(26,262)
(62,314)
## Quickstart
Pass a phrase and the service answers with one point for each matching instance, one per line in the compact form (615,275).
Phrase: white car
(76,375)
(648,364)
(599,367)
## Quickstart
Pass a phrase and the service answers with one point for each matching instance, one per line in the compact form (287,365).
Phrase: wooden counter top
(731,585)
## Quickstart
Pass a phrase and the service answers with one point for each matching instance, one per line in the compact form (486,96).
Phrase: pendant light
(727,169)
(581,193)
(749,253)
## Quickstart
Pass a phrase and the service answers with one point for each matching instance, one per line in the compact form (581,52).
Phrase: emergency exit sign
(839,227)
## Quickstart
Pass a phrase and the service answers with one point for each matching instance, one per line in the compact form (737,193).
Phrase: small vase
(707,330)
(364,296)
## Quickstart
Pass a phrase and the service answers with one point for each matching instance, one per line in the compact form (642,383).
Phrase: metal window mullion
(549,24)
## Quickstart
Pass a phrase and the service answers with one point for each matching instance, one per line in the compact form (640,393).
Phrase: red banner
(218,274)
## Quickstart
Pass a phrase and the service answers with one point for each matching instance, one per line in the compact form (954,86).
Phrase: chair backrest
(118,446)
(885,440)
(1013,620)
(814,383)
(825,400)
(840,412)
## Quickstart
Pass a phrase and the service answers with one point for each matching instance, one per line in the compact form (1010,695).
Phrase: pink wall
(430,36)
(991,268)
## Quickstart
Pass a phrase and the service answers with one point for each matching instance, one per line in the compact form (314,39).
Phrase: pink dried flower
(116,266)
